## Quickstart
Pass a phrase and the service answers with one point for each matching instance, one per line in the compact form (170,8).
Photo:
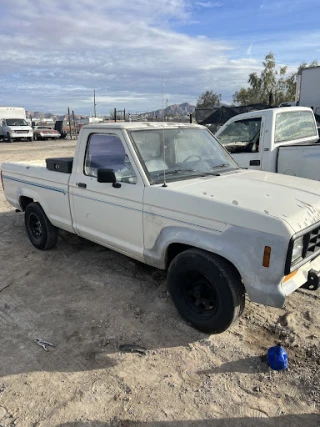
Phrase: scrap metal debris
(133,348)
(43,344)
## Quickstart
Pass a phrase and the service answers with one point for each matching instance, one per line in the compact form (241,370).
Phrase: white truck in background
(13,124)
(282,140)
(308,89)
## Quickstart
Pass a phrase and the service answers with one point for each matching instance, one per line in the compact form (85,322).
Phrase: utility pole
(94,102)
(69,123)
(74,123)
(166,110)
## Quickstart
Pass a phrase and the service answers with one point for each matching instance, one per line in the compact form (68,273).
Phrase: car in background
(45,132)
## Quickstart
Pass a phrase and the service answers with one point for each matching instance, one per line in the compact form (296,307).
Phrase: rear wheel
(206,290)
(42,234)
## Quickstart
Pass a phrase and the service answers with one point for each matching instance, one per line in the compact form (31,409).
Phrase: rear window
(293,125)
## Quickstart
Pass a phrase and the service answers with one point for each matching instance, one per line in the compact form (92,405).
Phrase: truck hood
(295,201)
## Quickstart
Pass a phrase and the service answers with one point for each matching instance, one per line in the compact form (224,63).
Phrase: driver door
(104,213)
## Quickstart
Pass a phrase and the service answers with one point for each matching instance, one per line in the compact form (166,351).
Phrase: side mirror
(108,175)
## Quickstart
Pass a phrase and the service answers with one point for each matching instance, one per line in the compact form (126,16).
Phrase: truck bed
(292,160)
(48,187)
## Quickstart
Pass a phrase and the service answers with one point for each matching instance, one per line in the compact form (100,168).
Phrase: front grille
(311,248)
(312,242)
(21,131)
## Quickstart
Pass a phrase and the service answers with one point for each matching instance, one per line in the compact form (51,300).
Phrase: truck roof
(140,125)
(307,68)
(10,108)
(276,110)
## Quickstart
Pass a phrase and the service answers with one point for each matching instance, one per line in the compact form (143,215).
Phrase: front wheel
(42,234)
(9,137)
(29,139)
(206,290)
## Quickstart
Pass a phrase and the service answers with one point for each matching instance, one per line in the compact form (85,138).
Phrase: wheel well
(24,202)
(176,248)
(173,250)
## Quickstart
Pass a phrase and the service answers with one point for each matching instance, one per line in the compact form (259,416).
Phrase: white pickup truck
(171,196)
(282,140)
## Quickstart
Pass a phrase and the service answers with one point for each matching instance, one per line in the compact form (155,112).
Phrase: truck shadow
(84,298)
(244,366)
(310,420)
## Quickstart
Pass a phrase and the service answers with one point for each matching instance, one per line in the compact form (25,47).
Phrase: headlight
(297,250)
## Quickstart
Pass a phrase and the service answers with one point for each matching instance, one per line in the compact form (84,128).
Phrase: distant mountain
(175,110)
(39,114)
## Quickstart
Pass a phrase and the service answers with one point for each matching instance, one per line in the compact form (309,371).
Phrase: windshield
(16,122)
(181,152)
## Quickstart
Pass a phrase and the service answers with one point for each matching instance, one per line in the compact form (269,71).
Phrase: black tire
(35,137)
(30,139)
(206,290)
(9,137)
(42,234)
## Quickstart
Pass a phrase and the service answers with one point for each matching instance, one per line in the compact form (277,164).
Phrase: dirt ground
(89,300)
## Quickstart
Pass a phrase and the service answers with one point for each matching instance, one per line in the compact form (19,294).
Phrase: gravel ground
(89,300)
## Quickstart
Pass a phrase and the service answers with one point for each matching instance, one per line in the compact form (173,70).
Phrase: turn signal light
(266,256)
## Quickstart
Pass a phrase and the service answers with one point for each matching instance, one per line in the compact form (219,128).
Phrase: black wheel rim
(35,227)
(199,294)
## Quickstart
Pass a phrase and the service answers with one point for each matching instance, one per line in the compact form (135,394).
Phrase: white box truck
(13,124)
(308,89)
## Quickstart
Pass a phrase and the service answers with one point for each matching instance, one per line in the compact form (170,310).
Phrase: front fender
(243,248)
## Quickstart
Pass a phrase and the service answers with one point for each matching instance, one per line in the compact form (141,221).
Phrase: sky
(145,54)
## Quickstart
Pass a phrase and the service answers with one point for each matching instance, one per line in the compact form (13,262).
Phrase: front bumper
(49,135)
(21,135)
(274,294)
(301,277)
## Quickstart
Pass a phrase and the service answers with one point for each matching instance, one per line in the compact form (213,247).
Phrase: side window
(106,151)
(294,125)
(242,136)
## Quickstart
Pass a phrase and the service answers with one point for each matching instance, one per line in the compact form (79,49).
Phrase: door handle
(254,162)
(81,185)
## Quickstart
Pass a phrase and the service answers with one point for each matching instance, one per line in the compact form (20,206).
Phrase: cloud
(57,53)
(54,53)
(208,4)
(249,51)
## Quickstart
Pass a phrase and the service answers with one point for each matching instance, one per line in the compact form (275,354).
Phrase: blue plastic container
(277,358)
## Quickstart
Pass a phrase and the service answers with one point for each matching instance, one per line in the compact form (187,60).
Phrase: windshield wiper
(222,165)
(174,172)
